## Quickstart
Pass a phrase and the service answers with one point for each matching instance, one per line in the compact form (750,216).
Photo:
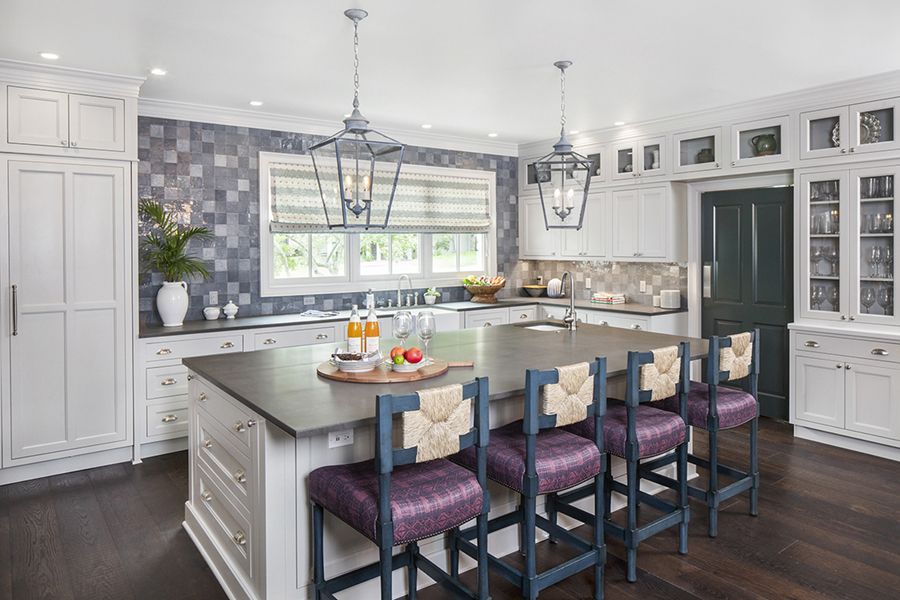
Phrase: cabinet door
(37,117)
(651,157)
(760,142)
(535,240)
(487,318)
(67,260)
(624,159)
(819,390)
(96,123)
(874,127)
(873,399)
(698,150)
(653,222)
(594,233)
(822,132)
(625,215)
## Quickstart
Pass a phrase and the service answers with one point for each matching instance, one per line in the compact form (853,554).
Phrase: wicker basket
(484,294)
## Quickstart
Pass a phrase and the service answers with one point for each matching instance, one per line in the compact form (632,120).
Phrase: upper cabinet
(760,142)
(699,150)
(864,127)
(639,158)
(528,175)
(644,221)
(96,123)
(589,242)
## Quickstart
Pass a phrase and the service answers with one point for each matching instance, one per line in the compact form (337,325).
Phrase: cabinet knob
(603,323)
(240,477)
(239,427)
(322,336)
(170,418)
(847,367)
(851,150)
(852,318)
(240,538)
(207,444)
(251,423)
(811,344)
(168,381)
(206,495)
(63,143)
(227,345)
(270,341)
(488,324)
(635,326)
(880,352)
(843,317)
(843,151)
(73,144)
(190,377)
(733,163)
(163,352)
(839,366)
(717,165)
(202,397)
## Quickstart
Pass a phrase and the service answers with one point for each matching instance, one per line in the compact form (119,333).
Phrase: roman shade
(440,200)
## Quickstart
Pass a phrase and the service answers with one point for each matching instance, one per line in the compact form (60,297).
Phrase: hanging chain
(562,101)
(355,64)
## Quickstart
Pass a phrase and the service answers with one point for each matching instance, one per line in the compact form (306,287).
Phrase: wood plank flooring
(829,527)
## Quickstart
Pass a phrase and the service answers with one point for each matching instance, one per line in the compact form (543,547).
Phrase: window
(317,261)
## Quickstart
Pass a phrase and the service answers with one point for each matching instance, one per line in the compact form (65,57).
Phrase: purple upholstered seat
(734,407)
(657,430)
(426,498)
(561,459)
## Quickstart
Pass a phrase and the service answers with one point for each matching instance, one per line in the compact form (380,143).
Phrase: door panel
(873,400)
(820,391)
(748,246)
(653,223)
(97,123)
(625,223)
(38,117)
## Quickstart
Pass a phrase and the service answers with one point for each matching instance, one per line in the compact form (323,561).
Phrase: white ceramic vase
(430,299)
(172,303)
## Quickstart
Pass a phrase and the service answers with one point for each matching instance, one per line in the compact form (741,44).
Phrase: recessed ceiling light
(158,71)
(49,56)
(256,103)
(573,131)
(492,134)
(619,123)
(426,125)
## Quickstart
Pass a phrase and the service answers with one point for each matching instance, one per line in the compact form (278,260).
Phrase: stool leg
(634,483)
(482,525)
(599,502)
(712,494)
(530,508)
(754,467)
(551,514)
(387,569)
(521,511)
(318,552)
(607,493)
(412,571)
(683,500)
(454,552)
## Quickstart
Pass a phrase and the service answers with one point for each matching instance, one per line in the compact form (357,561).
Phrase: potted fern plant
(164,249)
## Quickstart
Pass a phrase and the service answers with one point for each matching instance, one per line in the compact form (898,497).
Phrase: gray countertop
(190,327)
(282,385)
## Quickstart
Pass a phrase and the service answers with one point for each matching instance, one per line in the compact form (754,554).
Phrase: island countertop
(282,385)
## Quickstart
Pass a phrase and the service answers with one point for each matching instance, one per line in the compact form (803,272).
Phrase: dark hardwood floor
(829,527)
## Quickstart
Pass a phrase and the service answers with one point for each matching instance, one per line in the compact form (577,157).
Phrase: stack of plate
(363,364)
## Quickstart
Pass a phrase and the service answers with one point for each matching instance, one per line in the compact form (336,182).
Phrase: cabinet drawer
(230,529)
(216,448)
(166,381)
(168,419)
(623,321)
(526,313)
(823,344)
(487,318)
(170,349)
(297,337)
(232,418)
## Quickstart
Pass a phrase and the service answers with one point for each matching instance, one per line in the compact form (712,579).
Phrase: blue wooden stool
(534,457)
(714,407)
(635,430)
(412,492)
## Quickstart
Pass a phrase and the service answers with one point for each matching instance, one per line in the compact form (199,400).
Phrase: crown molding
(239,117)
(69,79)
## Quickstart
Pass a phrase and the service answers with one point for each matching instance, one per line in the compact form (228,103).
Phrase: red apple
(413,355)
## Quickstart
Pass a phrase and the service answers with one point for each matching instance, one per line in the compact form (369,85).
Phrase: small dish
(361,365)
(410,367)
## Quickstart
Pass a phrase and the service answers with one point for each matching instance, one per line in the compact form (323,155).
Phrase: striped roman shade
(423,203)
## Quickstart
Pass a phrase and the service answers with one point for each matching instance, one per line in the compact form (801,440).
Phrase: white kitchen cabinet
(489,317)
(636,159)
(37,117)
(591,240)
(96,123)
(647,224)
(744,136)
(68,273)
(699,150)
(819,394)
(850,129)
(873,399)
(535,240)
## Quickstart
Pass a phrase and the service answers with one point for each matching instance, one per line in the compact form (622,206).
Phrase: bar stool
(410,492)
(715,407)
(534,457)
(634,430)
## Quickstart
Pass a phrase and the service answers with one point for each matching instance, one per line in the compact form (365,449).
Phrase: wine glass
(867,297)
(816,257)
(886,300)
(402,325)
(834,298)
(889,261)
(425,329)
(817,293)
(873,257)
(833,257)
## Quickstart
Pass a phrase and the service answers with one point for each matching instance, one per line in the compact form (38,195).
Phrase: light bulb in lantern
(367,183)
(570,199)
(557,198)
(348,186)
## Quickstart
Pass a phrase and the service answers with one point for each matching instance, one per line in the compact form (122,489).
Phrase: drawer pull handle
(488,324)
(202,397)
(251,423)
(240,538)
(206,495)
(226,345)
(322,336)
(170,418)
(523,316)
(847,367)
(169,381)
(880,352)
(635,326)
(603,323)
(163,352)
(207,444)
(190,377)
(811,344)
(239,427)
(240,477)
(270,341)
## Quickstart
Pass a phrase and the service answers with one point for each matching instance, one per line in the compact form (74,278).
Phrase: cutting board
(384,374)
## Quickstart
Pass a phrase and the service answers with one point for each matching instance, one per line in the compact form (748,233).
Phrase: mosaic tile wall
(609,277)
(208,174)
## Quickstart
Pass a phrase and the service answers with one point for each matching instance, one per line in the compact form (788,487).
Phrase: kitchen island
(261,421)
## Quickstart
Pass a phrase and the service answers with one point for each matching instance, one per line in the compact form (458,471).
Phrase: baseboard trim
(847,443)
(69,464)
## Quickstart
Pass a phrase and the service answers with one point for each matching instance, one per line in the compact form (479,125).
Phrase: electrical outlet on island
(336,439)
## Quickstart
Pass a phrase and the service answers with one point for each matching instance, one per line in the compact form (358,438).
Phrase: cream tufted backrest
(661,377)
(736,359)
(435,428)
(569,399)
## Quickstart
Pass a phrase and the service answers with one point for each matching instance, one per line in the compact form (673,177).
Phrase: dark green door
(748,278)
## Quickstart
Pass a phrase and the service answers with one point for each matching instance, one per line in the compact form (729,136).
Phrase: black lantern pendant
(563,176)
(357,168)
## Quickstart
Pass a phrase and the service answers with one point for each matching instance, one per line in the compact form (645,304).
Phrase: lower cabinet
(872,395)
(487,318)
(820,390)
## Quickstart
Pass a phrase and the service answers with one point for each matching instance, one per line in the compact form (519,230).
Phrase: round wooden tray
(384,374)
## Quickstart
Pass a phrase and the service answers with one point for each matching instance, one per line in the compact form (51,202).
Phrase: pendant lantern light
(563,176)
(357,168)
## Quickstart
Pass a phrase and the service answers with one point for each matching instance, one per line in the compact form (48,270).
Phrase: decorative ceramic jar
(172,303)
(211,313)
(230,310)
(764,144)
(706,155)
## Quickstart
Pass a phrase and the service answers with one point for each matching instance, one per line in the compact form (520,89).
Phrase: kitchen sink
(545,327)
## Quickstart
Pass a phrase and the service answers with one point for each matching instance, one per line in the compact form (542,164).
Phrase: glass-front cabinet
(760,142)
(697,150)
(858,128)
(639,158)
(847,245)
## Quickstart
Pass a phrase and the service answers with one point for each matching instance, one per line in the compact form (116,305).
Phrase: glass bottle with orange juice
(354,332)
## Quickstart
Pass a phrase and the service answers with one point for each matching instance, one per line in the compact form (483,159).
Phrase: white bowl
(411,367)
(357,366)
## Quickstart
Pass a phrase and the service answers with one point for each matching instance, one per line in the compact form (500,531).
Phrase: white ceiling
(468,67)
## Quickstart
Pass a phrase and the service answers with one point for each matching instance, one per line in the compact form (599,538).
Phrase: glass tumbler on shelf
(425,329)
(402,325)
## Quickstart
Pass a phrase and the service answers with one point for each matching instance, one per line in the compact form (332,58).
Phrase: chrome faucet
(400,290)
(571,317)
